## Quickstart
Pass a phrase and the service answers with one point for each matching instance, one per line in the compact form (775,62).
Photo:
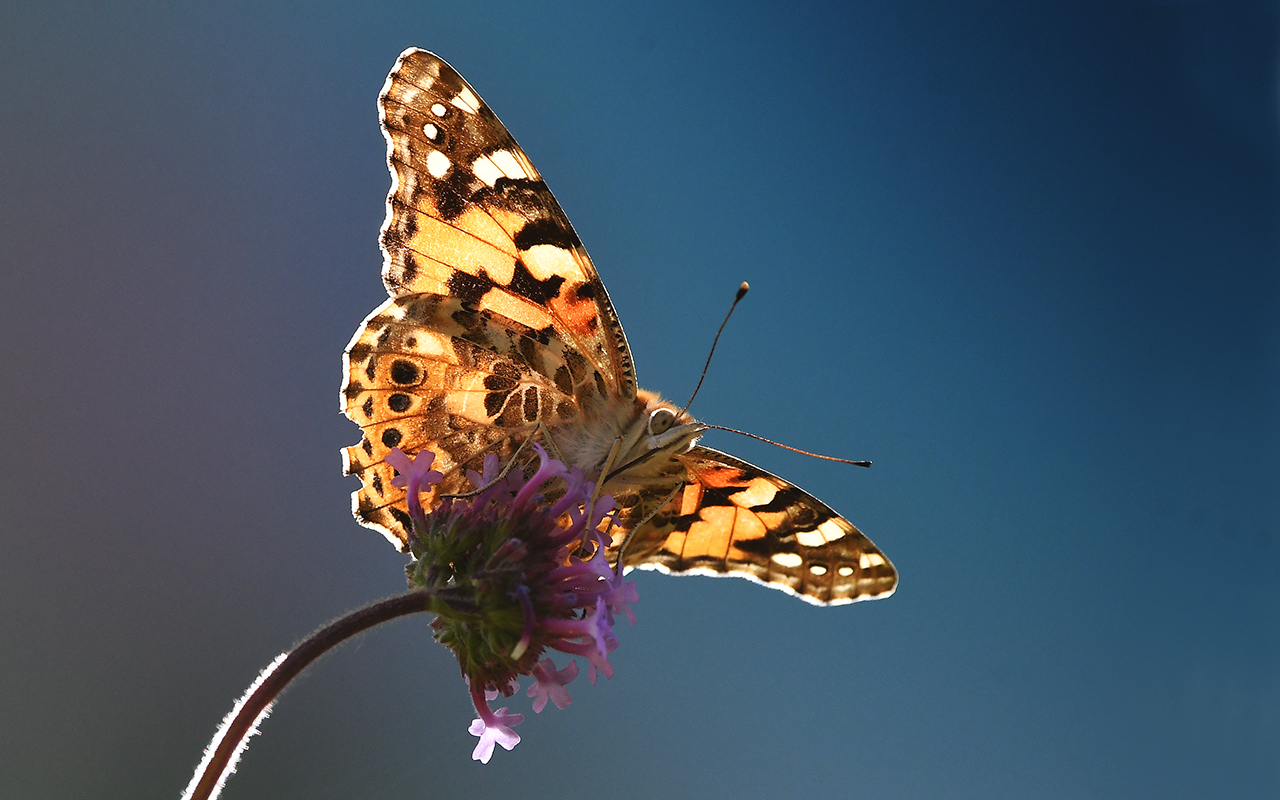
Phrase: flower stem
(233,736)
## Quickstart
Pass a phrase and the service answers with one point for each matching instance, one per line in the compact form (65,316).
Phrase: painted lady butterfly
(498,330)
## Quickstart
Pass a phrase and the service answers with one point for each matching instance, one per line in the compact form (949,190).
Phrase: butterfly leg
(541,427)
(595,493)
(608,465)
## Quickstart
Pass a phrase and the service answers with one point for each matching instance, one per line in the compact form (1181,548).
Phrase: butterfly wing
(469,216)
(497,319)
(732,518)
(431,372)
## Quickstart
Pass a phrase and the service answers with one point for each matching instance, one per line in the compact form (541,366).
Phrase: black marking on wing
(546,231)
(524,284)
(470,288)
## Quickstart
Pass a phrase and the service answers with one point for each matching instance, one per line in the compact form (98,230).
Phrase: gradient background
(1026,261)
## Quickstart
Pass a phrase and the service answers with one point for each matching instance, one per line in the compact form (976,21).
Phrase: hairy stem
(233,736)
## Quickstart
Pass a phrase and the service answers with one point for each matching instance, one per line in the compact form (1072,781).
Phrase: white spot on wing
(831,530)
(810,538)
(758,492)
(431,131)
(438,109)
(435,345)
(844,572)
(505,161)
(466,101)
(870,560)
(547,260)
(817,569)
(497,165)
(438,164)
(790,560)
(486,170)
(825,533)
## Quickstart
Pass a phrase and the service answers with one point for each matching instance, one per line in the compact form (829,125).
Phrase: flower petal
(551,683)
(497,730)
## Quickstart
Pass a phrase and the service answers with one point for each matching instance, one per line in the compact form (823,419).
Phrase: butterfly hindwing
(733,518)
(430,372)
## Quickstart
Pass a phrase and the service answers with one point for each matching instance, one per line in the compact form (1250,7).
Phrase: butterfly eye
(661,420)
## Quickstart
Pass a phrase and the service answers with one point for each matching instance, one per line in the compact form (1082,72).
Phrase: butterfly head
(665,424)
(657,432)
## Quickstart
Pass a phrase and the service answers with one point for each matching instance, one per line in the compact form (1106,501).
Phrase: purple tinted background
(1025,261)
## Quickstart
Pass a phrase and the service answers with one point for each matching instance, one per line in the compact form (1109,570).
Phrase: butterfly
(498,332)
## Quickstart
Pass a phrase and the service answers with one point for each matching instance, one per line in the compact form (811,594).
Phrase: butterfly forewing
(499,330)
(469,216)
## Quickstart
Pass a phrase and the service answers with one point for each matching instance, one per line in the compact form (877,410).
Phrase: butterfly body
(498,331)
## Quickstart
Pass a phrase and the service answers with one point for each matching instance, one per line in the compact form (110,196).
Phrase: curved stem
(233,736)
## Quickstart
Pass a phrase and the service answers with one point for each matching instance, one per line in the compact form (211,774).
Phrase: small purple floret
(550,684)
(415,476)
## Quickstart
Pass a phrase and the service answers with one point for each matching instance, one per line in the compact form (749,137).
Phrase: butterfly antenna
(789,447)
(742,292)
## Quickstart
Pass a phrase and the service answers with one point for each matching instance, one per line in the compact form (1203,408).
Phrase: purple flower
(550,684)
(493,727)
(415,476)
(518,574)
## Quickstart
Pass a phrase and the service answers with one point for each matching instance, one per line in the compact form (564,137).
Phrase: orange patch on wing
(513,307)
(484,227)
(510,221)
(721,477)
(710,536)
(457,249)
(691,499)
(746,526)
(717,527)
(579,314)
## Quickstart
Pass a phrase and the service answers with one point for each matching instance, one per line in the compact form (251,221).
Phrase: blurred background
(1026,261)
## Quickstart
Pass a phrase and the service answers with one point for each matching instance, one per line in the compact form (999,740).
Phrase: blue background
(1027,261)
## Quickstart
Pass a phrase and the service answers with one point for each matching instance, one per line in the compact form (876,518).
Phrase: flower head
(517,574)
